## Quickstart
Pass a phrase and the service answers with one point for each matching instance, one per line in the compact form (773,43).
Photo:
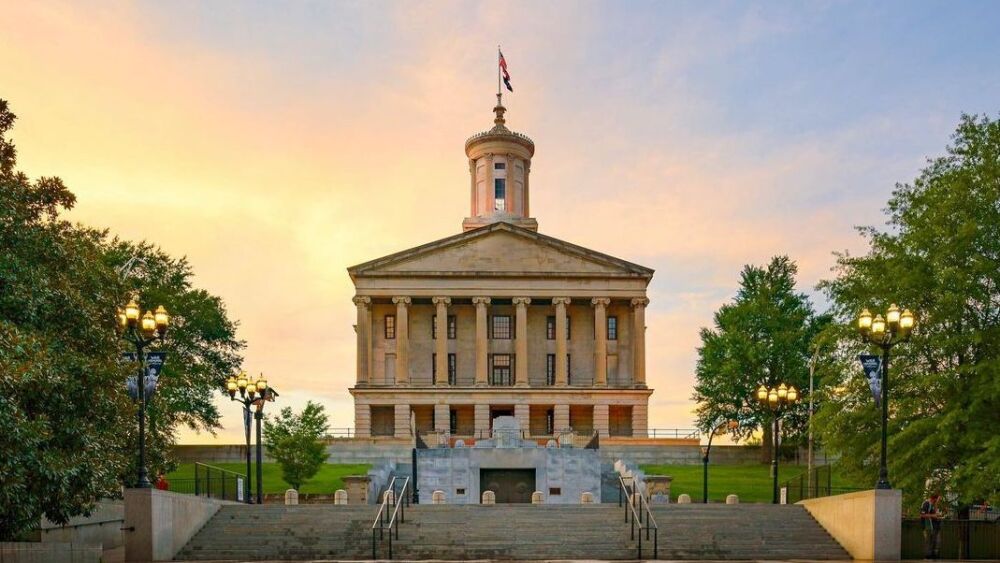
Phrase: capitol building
(500,320)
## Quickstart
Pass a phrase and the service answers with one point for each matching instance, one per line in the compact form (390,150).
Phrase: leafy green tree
(762,337)
(940,257)
(295,442)
(69,432)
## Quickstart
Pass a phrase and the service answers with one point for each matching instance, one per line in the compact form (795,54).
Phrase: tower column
(363,329)
(639,341)
(527,168)
(482,344)
(472,175)
(490,204)
(509,192)
(441,341)
(521,341)
(562,374)
(600,340)
(402,340)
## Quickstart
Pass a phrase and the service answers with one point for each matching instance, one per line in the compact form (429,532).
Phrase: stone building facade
(500,320)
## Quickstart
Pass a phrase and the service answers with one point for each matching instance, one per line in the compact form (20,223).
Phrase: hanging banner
(154,365)
(872,367)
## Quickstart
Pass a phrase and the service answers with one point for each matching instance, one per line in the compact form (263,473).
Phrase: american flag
(503,69)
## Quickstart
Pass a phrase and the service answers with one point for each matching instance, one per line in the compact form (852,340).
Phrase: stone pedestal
(658,488)
(357,488)
(291,496)
(340,497)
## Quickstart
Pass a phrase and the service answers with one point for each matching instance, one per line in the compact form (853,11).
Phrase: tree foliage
(69,432)
(940,257)
(761,338)
(294,441)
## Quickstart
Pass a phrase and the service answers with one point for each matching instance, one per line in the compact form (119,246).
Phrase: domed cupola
(499,166)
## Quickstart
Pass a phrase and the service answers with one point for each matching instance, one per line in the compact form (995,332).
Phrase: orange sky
(275,148)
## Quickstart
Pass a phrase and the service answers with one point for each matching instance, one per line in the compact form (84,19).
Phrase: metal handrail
(399,503)
(635,522)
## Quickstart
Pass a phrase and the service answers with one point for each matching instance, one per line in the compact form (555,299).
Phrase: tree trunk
(766,441)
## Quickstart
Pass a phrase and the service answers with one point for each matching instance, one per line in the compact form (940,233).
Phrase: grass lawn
(751,482)
(328,479)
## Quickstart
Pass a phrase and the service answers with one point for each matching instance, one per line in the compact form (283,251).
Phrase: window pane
(550,328)
(499,193)
(452,327)
(501,327)
(499,165)
(612,328)
(390,327)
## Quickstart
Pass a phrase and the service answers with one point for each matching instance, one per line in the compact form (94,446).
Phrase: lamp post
(268,394)
(885,333)
(706,450)
(776,399)
(248,391)
(141,331)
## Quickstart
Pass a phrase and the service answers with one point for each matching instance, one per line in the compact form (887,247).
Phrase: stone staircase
(522,532)
(743,531)
(275,532)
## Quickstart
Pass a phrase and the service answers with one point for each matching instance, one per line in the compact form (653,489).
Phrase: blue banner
(872,366)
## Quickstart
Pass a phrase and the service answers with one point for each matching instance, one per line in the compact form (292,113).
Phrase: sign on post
(872,367)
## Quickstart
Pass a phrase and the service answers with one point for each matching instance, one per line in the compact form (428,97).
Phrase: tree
(294,441)
(940,257)
(761,338)
(69,431)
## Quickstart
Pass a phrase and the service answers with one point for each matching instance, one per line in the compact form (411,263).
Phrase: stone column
(509,192)
(560,418)
(402,421)
(639,341)
(521,341)
(402,340)
(472,174)
(640,420)
(482,343)
(364,334)
(562,376)
(600,340)
(527,168)
(522,415)
(441,340)
(482,421)
(490,190)
(442,415)
(362,420)
(601,424)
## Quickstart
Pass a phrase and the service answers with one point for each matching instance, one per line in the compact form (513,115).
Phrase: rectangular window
(452,367)
(550,421)
(612,328)
(550,369)
(569,372)
(501,327)
(499,165)
(500,370)
(550,328)
(390,327)
(452,327)
(499,193)
(453,428)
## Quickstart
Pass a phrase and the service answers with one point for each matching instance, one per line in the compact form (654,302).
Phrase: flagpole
(499,93)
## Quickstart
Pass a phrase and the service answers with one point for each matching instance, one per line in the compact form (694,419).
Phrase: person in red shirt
(161,482)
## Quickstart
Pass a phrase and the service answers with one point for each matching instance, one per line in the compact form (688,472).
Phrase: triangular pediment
(500,249)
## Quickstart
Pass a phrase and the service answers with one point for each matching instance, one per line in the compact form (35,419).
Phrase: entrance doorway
(510,485)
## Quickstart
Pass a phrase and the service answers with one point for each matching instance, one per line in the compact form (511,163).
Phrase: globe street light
(141,331)
(247,390)
(896,327)
(776,399)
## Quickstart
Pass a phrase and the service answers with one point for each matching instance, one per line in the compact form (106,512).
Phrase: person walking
(161,482)
(931,517)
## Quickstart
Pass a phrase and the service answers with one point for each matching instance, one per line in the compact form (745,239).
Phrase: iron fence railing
(215,482)
(678,433)
(638,515)
(815,484)
(960,539)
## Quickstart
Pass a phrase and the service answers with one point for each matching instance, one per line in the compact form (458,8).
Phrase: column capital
(362,300)
(489,156)
(561,300)
(602,301)
(441,300)
(405,300)
(640,302)
(521,301)
(481,300)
